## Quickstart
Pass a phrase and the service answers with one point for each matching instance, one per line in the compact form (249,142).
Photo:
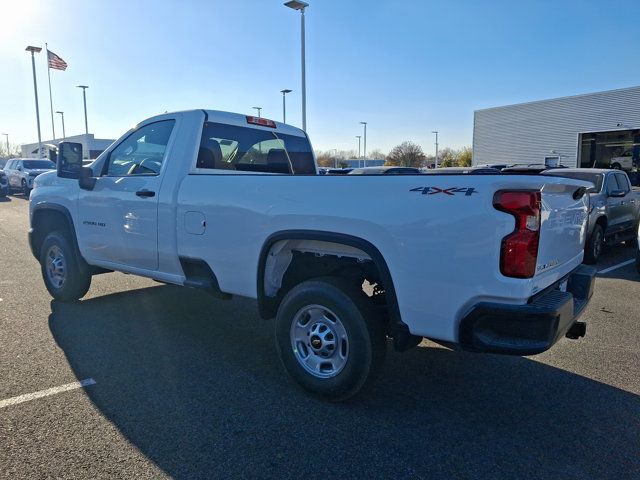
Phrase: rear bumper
(531,328)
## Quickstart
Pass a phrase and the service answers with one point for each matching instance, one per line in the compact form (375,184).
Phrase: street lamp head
(58,111)
(82,86)
(33,49)
(358,136)
(296,5)
(434,131)
(363,123)
(285,91)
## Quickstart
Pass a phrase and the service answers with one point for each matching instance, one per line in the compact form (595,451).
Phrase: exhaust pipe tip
(577,330)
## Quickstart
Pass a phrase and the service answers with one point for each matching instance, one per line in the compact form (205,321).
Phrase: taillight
(519,251)
(263,122)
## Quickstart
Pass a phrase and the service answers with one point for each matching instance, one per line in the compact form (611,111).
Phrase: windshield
(38,164)
(595,178)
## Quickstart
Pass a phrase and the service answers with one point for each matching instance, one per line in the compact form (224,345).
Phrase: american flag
(55,61)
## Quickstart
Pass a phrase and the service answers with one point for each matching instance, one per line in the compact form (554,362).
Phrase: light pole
(284,105)
(297,5)
(7,135)
(358,137)
(365,141)
(259,109)
(35,91)
(436,132)
(64,135)
(84,98)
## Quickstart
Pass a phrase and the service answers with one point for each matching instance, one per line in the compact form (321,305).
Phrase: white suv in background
(21,172)
(622,162)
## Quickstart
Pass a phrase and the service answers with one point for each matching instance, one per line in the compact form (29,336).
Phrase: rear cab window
(247,149)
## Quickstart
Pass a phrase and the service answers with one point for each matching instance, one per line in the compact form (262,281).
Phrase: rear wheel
(64,274)
(616,166)
(329,338)
(593,248)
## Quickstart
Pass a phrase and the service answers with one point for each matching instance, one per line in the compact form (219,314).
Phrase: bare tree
(377,154)
(407,154)
(14,149)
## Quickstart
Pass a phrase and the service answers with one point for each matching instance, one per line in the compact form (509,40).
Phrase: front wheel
(329,338)
(64,275)
(593,248)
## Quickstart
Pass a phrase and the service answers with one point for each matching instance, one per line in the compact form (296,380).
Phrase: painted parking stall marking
(615,267)
(27,397)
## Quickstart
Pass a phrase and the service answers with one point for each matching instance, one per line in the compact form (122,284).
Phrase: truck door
(118,219)
(615,206)
(627,206)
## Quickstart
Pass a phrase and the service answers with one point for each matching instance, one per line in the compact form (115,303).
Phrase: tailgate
(563,226)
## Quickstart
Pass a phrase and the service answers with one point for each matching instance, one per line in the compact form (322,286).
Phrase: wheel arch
(45,218)
(268,305)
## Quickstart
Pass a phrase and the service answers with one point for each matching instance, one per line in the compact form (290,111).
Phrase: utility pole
(84,99)
(64,135)
(298,5)
(284,104)
(436,132)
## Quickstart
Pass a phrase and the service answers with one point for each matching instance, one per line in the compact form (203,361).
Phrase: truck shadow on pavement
(195,384)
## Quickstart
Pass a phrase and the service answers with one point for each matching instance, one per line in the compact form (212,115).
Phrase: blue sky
(407,68)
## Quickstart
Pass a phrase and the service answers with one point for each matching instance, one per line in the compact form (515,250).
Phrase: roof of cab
(240,120)
(231,118)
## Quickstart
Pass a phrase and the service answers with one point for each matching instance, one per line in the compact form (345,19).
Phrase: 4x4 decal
(468,191)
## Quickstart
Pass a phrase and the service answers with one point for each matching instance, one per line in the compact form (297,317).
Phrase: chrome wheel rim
(56,266)
(319,341)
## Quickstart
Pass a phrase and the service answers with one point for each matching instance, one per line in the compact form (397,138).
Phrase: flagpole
(53,123)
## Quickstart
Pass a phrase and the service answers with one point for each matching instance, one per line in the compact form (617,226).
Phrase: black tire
(25,188)
(364,329)
(616,166)
(593,248)
(76,278)
(638,261)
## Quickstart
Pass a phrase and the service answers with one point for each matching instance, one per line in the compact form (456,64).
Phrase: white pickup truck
(233,204)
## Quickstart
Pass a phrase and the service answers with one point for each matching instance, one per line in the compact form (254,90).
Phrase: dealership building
(594,130)
(91,146)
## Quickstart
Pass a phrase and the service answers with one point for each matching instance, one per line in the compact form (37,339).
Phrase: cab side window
(623,183)
(142,152)
(612,184)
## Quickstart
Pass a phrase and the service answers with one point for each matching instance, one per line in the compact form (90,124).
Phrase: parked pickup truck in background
(614,213)
(232,204)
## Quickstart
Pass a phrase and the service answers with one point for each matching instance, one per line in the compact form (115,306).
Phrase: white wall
(527,132)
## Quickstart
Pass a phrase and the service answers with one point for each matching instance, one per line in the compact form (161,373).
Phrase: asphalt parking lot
(187,386)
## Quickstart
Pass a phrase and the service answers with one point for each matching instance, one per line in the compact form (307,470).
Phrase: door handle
(145,193)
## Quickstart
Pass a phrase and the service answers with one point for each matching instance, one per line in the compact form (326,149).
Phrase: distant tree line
(407,154)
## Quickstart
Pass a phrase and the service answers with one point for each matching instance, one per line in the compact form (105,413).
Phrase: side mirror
(617,193)
(69,159)
(87,181)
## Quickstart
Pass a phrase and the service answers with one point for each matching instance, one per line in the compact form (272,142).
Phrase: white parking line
(45,393)
(615,267)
